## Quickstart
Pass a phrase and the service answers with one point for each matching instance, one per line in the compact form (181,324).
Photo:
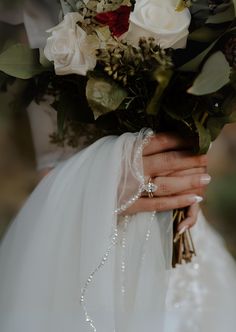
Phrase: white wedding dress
(69,263)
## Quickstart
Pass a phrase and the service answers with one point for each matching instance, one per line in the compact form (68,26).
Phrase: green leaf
(194,64)
(216,124)
(205,34)
(104,95)
(204,137)
(214,75)
(20,61)
(234,2)
(162,76)
(222,17)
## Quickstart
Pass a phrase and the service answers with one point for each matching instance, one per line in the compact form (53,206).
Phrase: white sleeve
(43,123)
(39,16)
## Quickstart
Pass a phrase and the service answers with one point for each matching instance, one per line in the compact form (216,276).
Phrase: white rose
(160,20)
(70,48)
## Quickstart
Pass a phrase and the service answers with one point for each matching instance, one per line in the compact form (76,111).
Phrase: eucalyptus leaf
(234,2)
(194,64)
(215,125)
(214,75)
(205,34)
(162,76)
(204,137)
(222,17)
(20,61)
(104,95)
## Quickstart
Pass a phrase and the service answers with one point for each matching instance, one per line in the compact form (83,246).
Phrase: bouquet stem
(183,246)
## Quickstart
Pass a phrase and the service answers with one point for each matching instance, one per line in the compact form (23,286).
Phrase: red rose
(117,20)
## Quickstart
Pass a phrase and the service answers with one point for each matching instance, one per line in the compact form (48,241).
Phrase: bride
(90,252)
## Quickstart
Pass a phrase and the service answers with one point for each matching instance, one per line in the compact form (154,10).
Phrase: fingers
(196,191)
(161,204)
(191,171)
(169,162)
(191,219)
(167,186)
(166,142)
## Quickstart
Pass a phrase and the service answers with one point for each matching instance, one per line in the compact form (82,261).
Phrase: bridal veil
(69,262)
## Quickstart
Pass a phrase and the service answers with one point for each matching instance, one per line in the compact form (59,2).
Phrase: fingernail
(195,199)
(205,179)
(182,230)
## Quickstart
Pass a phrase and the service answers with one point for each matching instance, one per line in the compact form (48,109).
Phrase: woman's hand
(180,176)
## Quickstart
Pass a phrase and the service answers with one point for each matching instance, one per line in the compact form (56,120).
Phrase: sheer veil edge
(67,265)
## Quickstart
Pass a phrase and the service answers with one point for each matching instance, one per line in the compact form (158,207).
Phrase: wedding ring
(150,188)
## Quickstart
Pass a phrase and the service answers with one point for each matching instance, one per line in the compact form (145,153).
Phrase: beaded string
(148,233)
(90,279)
(122,208)
(123,246)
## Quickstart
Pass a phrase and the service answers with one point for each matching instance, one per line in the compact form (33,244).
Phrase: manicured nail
(195,199)
(205,179)
(198,199)
(182,230)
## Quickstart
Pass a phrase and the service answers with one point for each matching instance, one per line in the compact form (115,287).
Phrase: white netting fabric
(60,237)
(132,179)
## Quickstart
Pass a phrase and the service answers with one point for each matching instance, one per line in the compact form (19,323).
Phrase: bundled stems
(183,246)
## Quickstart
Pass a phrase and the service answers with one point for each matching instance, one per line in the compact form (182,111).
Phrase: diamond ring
(150,188)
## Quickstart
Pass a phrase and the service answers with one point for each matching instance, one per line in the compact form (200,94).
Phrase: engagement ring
(150,188)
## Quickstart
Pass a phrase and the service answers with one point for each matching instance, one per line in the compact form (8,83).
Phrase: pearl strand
(90,279)
(148,233)
(123,250)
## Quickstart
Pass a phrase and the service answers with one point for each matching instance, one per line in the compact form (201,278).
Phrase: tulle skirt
(69,262)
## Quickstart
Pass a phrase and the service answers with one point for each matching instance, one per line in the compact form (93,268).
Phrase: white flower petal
(160,20)
(70,48)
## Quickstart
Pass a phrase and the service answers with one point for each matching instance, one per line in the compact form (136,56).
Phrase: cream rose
(160,20)
(70,48)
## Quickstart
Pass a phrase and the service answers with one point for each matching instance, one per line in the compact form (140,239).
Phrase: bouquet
(123,65)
